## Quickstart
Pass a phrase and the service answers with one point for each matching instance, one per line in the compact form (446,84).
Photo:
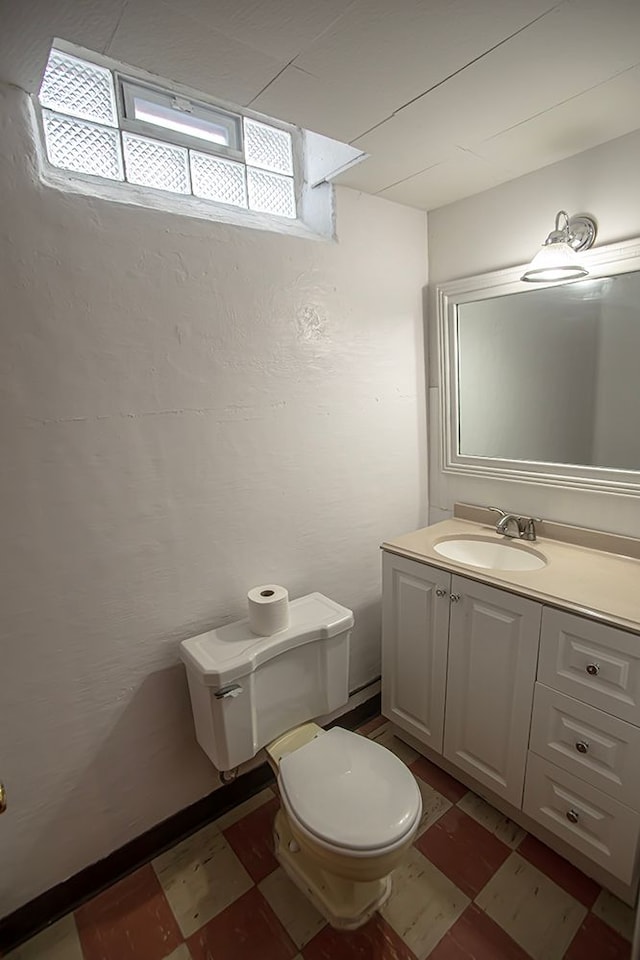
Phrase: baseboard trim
(53,904)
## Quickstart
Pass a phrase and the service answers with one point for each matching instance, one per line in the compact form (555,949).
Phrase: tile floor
(474,887)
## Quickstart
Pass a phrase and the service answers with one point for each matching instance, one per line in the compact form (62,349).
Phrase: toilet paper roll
(268,609)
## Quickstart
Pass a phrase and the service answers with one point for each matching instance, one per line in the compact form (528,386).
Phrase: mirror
(544,383)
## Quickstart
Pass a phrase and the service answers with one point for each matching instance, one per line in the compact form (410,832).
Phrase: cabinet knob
(440,592)
(593,669)
(3,798)
(573,816)
(582,746)
(454,597)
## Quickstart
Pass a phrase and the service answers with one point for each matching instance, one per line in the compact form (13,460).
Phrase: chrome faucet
(511,525)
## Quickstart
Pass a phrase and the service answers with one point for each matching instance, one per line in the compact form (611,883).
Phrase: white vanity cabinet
(489,639)
(533,706)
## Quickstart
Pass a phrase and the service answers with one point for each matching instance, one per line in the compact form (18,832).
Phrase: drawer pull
(593,669)
(440,592)
(572,816)
(582,746)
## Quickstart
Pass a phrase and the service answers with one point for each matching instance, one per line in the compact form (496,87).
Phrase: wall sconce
(557,259)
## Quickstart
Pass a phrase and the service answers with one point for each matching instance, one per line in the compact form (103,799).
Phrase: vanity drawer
(601,828)
(591,662)
(595,746)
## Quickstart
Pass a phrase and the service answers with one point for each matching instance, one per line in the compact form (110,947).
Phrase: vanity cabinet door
(493,650)
(415,626)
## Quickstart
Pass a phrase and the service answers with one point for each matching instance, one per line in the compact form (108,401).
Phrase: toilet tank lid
(220,656)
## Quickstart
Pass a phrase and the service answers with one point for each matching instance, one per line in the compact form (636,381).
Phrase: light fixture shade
(554,261)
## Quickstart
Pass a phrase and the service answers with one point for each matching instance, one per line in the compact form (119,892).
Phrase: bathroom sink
(490,554)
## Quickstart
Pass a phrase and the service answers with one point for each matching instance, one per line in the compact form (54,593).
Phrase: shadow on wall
(366,650)
(153,731)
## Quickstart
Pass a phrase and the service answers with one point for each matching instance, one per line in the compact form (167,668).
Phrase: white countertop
(594,583)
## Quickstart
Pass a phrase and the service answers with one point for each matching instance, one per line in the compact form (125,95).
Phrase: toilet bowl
(350,809)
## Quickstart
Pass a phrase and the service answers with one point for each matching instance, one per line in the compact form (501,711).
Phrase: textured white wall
(503,227)
(186,409)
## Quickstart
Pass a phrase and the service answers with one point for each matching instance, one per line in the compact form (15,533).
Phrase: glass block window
(267,147)
(215,179)
(153,164)
(83,147)
(100,123)
(271,193)
(79,88)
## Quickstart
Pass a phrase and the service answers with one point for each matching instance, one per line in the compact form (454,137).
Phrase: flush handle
(3,798)
(440,592)
(231,690)
(573,816)
(593,669)
(582,746)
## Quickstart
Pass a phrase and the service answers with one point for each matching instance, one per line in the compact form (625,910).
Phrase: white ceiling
(449,97)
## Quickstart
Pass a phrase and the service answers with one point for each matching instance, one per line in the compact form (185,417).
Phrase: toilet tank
(246,690)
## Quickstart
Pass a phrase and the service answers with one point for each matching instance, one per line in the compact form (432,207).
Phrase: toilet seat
(350,794)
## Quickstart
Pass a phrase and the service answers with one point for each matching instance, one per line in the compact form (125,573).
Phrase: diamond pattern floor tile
(58,942)
(200,877)
(492,820)
(296,913)
(180,953)
(423,905)
(476,937)
(374,940)
(368,728)
(437,778)
(223,891)
(533,910)
(388,739)
(463,850)
(252,841)
(247,930)
(615,913)
(131,919)
(596,941)
(248,806)
(560,871)
(434,805)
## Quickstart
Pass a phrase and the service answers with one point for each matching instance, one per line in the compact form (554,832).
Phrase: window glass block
(79,88)
(270,193)
(154,164)
(83,147)
(267,147)
(216,179)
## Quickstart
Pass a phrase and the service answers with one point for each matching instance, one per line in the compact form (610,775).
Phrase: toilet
(350,807)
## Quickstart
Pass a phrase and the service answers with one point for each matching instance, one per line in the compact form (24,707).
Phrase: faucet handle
(527,526)
(497,510)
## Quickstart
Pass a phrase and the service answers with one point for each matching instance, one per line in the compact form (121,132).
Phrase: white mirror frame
(606,261)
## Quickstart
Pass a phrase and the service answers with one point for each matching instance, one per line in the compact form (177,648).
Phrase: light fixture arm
(561,233)
(579,232)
